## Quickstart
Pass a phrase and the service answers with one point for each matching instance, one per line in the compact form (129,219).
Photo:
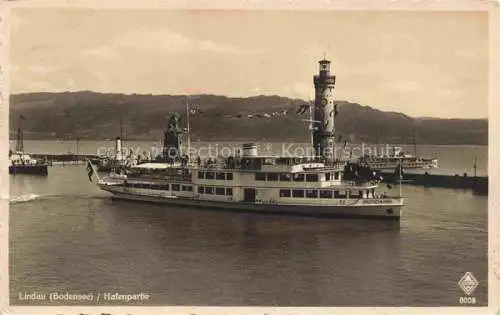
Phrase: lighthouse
(324,112)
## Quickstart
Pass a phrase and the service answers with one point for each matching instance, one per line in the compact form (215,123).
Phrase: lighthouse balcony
(318,80)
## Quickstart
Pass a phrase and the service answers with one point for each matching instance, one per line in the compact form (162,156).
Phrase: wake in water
(32,197)
(23,198)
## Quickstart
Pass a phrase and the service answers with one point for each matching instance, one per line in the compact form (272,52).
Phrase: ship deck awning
(158,166)
(352,185)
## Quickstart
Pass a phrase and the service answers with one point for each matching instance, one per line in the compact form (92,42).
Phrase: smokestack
(118,149)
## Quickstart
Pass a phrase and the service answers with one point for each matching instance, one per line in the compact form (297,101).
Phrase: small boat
(22,163)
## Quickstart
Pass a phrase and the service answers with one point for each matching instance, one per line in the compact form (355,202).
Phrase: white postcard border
(492,6)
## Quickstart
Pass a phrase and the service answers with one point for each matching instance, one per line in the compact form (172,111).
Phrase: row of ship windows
(226,191)
(215,175)
(207,190)
(173,187)
(177,187)
(283,177)
(318,193)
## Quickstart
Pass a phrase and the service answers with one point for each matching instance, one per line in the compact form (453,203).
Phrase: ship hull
(108,168)
(29,169)
(388,212)
(406,164)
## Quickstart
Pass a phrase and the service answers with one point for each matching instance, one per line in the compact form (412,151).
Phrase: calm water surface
(68,236)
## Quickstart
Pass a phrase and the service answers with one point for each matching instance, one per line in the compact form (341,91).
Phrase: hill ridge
(93,115)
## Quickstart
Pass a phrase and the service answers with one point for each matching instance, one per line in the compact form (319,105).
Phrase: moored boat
(393,160)
(119,161)
(397,158)
(22,163)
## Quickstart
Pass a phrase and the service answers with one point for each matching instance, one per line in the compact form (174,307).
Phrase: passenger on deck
(209,162)
(230,162)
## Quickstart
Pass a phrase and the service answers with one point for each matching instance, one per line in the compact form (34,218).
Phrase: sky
(431,64)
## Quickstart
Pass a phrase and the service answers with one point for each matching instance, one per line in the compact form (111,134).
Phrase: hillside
(90,115)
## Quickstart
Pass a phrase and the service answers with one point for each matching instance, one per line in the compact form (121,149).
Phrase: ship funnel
(118,148)
(249,149)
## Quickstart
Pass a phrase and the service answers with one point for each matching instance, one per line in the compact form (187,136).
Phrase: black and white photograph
(247,157)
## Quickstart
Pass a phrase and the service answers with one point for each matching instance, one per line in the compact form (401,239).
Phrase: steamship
(393,161)
(247,181)
(394,156)
(21,162)
(117,162)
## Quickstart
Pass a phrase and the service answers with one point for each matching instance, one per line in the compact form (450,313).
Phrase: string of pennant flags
(300,111)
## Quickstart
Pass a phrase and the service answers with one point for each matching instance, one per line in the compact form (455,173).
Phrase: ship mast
(121,127)
(188,135)
(312,127)
(19,139)
(400,177)
(475,166)
(77,146)
(414,143)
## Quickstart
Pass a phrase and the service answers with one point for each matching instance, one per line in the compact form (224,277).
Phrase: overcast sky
(419,63)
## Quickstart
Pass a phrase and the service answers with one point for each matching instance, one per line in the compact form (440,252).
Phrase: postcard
(249,158)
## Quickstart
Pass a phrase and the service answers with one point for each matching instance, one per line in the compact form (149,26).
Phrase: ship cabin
(21,158)
(407,161)
(251,178)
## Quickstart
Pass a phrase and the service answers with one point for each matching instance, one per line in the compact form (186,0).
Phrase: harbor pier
(66,159)
(479,184)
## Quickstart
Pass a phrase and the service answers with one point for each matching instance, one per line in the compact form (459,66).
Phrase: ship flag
(302,109)
(22,117)
(306,107)
(90,170)
(277,114)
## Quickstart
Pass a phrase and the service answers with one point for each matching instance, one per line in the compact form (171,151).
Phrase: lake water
(68,236)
